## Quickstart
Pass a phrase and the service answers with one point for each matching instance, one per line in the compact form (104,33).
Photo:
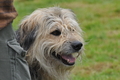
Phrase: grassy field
(100,21)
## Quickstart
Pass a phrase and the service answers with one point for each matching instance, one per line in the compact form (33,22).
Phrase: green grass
(100,21)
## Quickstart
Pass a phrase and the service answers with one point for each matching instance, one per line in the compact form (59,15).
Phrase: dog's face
(64,43)
(52,36)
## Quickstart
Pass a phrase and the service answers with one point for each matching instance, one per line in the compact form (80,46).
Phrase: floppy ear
(26,35)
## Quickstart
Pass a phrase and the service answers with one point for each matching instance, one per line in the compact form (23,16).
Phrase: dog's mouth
(66,59)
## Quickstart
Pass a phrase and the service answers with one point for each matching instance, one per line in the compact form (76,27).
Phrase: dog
(53,40)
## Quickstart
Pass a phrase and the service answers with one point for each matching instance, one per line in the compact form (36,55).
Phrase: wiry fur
(35,36)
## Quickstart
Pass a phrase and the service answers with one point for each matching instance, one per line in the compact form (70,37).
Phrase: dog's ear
(29,39)
(26,35)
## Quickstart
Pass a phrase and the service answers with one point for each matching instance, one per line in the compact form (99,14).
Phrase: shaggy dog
(53,40)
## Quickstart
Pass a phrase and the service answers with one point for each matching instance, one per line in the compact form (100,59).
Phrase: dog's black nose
(76,45)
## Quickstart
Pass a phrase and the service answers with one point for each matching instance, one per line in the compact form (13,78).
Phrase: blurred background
(100,21)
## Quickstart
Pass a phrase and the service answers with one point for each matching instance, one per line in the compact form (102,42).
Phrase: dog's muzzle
(69,58)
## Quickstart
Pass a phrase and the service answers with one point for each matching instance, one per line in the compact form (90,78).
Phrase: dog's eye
(56,33)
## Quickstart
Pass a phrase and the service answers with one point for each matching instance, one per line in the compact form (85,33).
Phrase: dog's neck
(38,73)
(46,76)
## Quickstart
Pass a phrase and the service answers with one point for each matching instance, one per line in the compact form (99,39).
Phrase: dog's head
(51,36)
